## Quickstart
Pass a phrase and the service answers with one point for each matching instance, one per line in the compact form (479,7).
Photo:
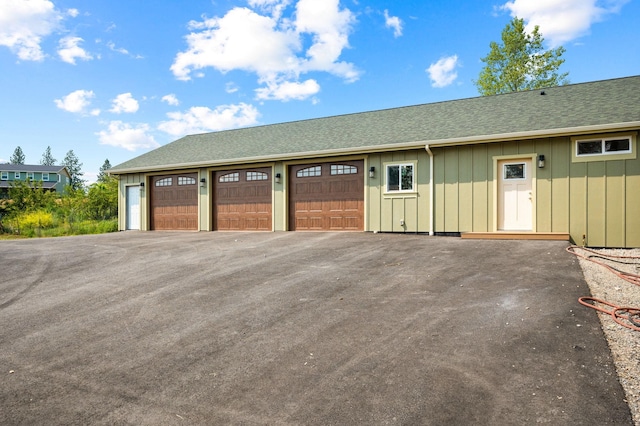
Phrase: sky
(113,79)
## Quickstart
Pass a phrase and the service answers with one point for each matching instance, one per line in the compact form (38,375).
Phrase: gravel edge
(624,343)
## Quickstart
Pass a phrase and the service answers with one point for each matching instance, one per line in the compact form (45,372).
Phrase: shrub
(37,219)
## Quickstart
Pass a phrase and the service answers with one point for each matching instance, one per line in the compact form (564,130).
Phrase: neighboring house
(53,178)
(559,161)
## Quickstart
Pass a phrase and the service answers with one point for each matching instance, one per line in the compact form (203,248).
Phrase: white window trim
(16,175)
(45,177)
(4,175)
(413,189)
(604,156)
(31,175)
(603,142)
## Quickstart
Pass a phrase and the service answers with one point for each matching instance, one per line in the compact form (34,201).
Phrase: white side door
(133,207)
(515,198)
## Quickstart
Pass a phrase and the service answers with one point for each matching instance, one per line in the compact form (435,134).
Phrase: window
(4,176)
(604,146)
(514,171)
(45,177)
(309,172)
(165,182)
(30,175)
(186,180)
(341,169)
(16,175)
(230,177)
(257,176)
(400,177)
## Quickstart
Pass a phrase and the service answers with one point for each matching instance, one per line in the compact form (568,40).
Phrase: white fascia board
(535,134)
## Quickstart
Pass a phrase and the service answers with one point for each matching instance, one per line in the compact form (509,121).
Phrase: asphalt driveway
(150,328)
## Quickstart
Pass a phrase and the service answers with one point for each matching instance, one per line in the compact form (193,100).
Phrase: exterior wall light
(540,161)
(278,176)
(141,184)
(203,181)
(372,172)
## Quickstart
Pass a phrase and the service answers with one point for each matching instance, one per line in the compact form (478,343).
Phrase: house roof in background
(572,109)
(36,168)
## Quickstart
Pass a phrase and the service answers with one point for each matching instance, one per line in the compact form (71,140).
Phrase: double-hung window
(400,177)
(4,175)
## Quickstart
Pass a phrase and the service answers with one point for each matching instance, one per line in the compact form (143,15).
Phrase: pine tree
(520,63)
(103,176)
(17,157)
(47,158)
(74,167)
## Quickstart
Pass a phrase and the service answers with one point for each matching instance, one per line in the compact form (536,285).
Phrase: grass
(63,229)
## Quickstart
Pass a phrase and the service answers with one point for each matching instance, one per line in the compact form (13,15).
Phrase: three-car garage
(322,196)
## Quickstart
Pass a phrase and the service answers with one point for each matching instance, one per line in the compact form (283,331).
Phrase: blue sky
(112,79)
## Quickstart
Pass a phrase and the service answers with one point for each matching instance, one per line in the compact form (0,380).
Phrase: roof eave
(534,134)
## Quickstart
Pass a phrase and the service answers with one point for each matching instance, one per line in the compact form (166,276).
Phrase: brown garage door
(242,200)
(174,202)
(327,196)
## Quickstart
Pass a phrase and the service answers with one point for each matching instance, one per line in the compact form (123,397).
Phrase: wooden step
(516,235)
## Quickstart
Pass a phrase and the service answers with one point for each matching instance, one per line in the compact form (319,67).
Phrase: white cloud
(231,87)
(124,103)
(76,102)
(73,12)
(562,21)
(124,135)
(69,50)
(443,73)
(23,25)
(288,90)
(393,22)
(203,119)
(171,99)
(271,46)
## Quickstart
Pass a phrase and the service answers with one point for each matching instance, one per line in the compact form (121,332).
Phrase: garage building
(555,163)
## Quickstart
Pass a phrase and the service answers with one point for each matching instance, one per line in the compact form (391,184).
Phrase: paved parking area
(149,328)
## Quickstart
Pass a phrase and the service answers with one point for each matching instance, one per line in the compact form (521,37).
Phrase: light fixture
(203,181)
(372,171)
(141,184)
(278,177)
(540,161)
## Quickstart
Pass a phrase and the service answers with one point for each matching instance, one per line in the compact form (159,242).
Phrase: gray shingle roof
(36,168)
(563,108)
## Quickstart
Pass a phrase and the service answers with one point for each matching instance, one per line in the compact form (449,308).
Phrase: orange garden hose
(618,313)
(625,316)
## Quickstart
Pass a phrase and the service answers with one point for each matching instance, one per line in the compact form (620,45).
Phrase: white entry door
(515,199)
(133,207)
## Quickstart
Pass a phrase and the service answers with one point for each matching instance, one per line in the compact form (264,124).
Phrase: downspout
(431,190)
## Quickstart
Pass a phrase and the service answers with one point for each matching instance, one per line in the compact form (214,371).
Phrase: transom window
(230,177)
(604,146)
(514,171)
(165,182)
(342,169)
(309,172)
(186,180)
(400,177)
(257,176)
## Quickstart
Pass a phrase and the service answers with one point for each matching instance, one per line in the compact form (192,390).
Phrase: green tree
(103,199)
(17,157)
(74,166)
(103,176)
(520,63)
(27,196)
(47,158)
